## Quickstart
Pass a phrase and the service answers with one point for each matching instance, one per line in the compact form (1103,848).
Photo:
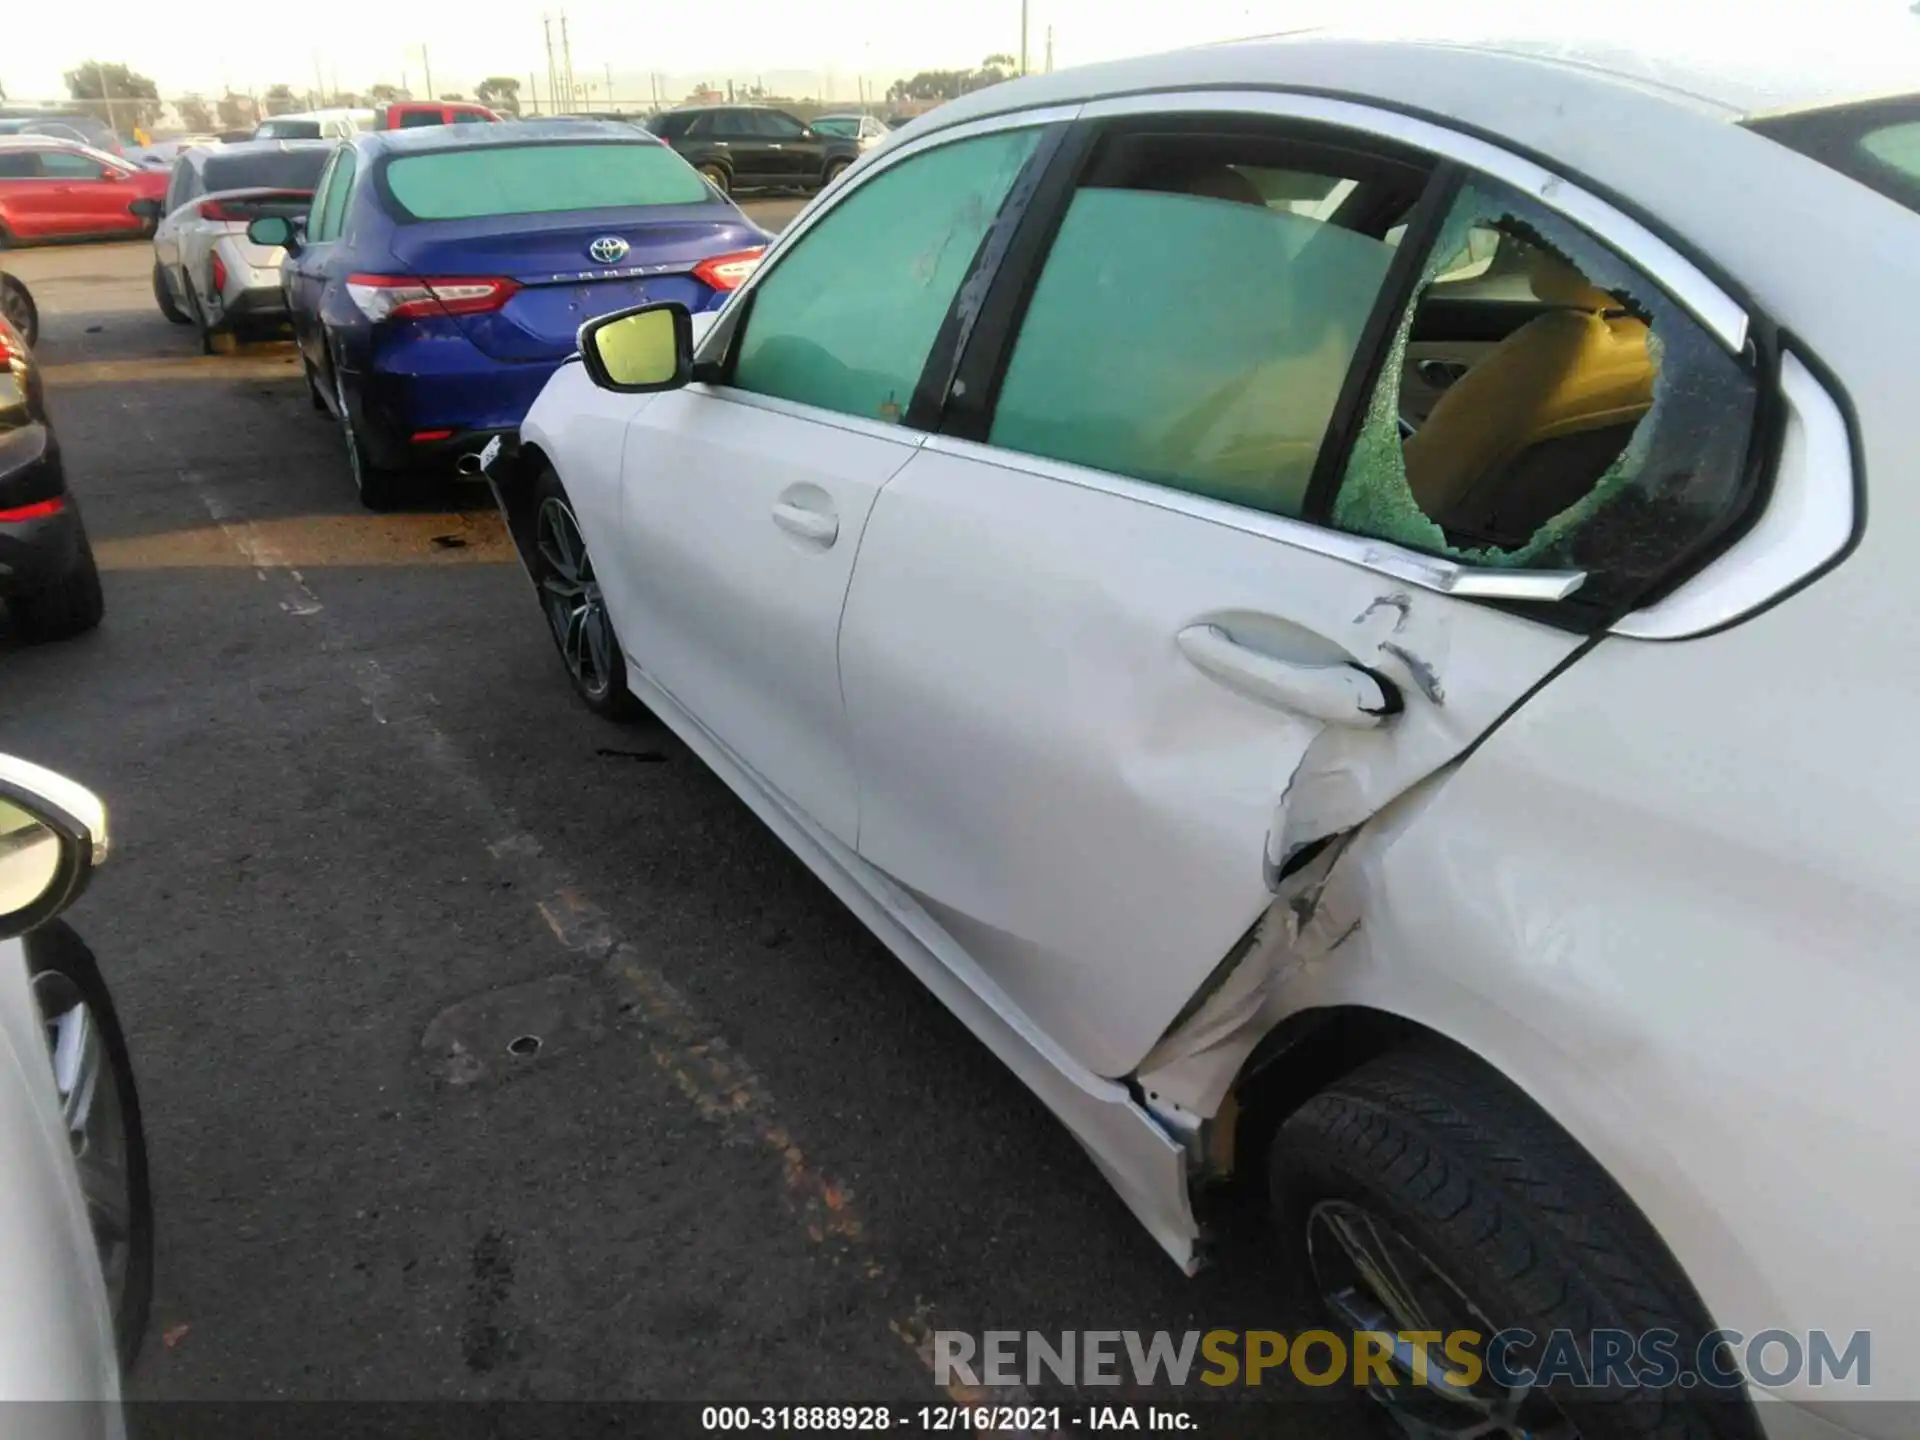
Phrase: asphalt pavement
(488,1049)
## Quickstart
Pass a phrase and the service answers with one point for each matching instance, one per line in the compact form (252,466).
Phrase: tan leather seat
(1565,373)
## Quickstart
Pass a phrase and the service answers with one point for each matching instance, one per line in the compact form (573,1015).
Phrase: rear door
(744,501)
(26,198)
(737,138)
(86,197)
(1169,602)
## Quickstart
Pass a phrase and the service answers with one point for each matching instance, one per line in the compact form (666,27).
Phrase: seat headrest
(1556,282)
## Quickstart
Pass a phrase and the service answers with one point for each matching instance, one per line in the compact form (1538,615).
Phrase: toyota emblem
(608,249)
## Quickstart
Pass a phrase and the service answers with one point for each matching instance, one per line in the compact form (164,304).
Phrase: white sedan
(1321,595)
(76,1218)
(206,271)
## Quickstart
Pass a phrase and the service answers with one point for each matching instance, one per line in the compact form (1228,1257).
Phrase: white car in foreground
(206,272)
(76,1218)
(1349,607)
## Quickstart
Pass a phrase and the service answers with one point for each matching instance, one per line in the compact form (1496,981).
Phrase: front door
(744,502)
(1171,601)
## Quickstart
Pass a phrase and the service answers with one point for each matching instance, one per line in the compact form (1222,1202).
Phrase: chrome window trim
(1809,520)
(857,424)
(1684,280)
(874,162)
(1428,572)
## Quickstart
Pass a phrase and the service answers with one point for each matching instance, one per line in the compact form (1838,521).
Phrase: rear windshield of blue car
(538,179)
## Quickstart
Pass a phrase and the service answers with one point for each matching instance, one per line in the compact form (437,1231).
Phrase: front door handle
(1339,694)
(821,527)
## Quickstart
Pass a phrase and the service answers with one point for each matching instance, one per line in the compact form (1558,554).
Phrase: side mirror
(640,351)
(148,209)
(274,232)
(52,833)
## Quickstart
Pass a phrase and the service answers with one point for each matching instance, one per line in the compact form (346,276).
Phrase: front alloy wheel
(100,1106)
(575,606)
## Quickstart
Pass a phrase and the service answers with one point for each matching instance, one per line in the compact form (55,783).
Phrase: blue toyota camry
(441,275)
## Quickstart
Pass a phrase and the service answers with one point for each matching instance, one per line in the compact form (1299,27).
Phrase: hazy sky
(358,42)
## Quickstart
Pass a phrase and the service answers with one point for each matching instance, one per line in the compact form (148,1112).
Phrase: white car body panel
(184,245)
(1672,896)
(56,1332)
(1085,808)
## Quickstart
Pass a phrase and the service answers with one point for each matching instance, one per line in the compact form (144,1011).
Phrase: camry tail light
(219,274)
(728,272)
(38,510)
(413,297)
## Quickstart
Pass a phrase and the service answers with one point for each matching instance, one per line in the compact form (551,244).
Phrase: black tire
(717,174)
(1476,1192)
(61,968)
(380,489)
(17,304)
(834,169)
(597,672)
(71,605)
(164,298)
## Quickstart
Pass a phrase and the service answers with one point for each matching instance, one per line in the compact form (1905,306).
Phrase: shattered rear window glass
(1543,405)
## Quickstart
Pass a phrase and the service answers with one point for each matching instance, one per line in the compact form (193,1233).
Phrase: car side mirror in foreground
(636,352)
(273,231)
(148,209)
(52,833)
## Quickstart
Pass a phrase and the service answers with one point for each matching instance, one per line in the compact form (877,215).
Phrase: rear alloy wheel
(100,1104)
(575,607)
(717,174)
(16,303)
(71,605)
(379,489)
(163,297)
(1423,1192)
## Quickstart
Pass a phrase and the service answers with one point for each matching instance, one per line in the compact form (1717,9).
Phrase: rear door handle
(1337,694)
(822,528)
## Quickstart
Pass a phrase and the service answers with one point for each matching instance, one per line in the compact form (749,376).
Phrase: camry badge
(608,249)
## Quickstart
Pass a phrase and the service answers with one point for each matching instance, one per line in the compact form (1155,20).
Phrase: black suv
(749,147)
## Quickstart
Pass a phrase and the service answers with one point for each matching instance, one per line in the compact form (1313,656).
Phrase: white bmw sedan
(76,1217)
(1341,604)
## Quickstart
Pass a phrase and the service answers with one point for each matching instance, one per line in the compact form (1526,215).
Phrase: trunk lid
(561,283)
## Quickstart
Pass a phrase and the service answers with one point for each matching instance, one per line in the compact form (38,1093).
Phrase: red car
(59,190)
(406,114)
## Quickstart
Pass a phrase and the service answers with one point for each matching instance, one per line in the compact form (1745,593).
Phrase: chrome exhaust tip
(469,463)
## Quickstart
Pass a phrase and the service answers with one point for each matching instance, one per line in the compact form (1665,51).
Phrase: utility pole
(533,94)
(610,104)
(1049,49)
(427,66)
(1023,37)
(553,78)
(566,55)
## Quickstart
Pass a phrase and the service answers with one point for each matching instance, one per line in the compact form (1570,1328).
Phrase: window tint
(1194,322)
(339,192)
(19,165)
(282,169)
(1595,426)
(833,125)
(699,125)
(846,319)
(1876,142)
(68,166)
(539,179)
(177,185)
(287,130)
(779,127)
(471,117)
(322,196)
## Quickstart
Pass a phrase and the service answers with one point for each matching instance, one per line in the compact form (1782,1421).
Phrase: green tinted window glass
(338,193)
(539,179)
(1897,146)
(846,319)
(1194,342)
